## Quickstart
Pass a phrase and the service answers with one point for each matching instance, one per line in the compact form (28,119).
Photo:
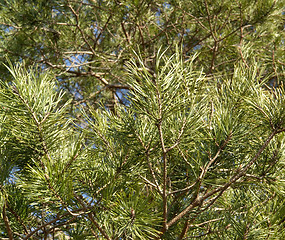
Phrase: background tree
(87,43)
(193,147)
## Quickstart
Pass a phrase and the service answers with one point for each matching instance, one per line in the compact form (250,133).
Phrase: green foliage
(142,119)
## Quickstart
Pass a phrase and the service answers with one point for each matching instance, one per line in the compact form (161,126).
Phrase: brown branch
(90,73)
(103,29)
(242,172)
(184,230)
(204,171)
(49,223)
(194,204)
(6,221)
(221,148)
(199,199)
(185,189)
(17,217)
(90,216)
(62,224)
(80,30)
(125,32)
(147,150)
(197,20)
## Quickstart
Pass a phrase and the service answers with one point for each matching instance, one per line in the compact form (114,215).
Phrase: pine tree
(142,119)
